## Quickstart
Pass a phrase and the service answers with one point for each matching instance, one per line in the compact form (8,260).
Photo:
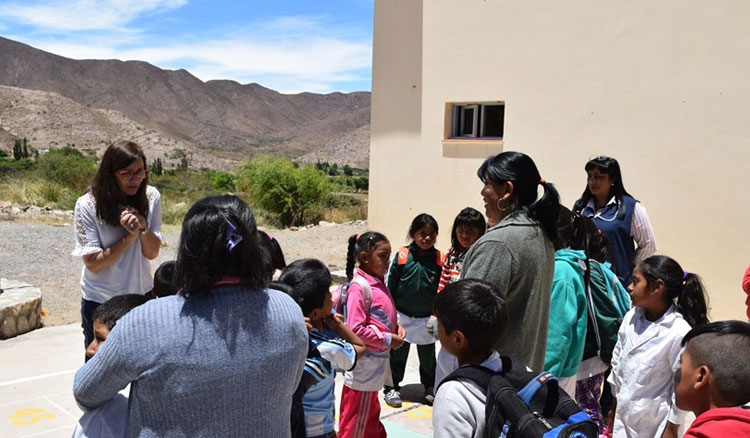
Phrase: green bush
(294,195)
(223,181)
(67,166)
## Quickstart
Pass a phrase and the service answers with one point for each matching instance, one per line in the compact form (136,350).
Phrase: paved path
(36,380)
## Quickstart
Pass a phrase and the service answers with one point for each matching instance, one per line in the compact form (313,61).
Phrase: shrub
(294,196)
(67,166)
(223,181)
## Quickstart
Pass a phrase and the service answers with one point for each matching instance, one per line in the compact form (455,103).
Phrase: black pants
(87,322)
(427,364)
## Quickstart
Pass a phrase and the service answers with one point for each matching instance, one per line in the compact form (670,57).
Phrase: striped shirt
(319,401)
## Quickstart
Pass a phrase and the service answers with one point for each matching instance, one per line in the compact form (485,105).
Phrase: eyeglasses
(129,175)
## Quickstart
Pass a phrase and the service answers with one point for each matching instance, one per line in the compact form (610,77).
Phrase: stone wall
(20,308)
(10,209)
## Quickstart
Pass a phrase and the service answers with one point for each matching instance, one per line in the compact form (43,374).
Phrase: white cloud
(78,15)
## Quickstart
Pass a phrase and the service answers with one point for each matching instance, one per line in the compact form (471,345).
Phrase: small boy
(163,280)
(332,345)
(472,316)
(714,379)
(109,420)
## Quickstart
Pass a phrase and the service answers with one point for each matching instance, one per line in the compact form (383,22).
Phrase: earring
(501,208)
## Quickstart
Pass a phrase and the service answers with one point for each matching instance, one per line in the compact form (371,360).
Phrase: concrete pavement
(36,380)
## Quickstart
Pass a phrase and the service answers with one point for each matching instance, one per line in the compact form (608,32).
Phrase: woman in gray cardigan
(516,254)
(221,358)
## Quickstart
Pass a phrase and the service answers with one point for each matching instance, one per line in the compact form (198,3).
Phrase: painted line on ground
(38,377)
(62,409)
(32,399)
(71,426)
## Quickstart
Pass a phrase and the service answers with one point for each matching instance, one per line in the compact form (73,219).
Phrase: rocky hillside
(216,121)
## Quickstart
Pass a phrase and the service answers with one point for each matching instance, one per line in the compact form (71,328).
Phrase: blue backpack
(525,404)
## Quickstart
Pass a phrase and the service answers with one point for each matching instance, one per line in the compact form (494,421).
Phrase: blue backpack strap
(527,392)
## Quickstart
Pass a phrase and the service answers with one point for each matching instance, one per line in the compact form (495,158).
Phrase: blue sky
(287,45)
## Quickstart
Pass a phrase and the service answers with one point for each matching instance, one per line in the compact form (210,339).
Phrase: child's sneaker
(393,398)
(429,396)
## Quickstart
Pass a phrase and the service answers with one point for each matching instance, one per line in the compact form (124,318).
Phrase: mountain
(217,121)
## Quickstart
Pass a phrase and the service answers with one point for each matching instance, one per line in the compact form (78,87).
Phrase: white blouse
(131,272)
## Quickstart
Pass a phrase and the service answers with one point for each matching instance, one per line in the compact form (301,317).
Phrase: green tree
(68,167)
(17,150)
(156,167)
(294,196)
(223,181)
(348,170)
(362,183)
(25,148)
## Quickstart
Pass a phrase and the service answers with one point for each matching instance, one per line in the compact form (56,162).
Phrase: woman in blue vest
(618,215)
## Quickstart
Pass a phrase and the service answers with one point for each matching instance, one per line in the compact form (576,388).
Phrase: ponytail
(691,302)
(365,242)
(684,287)
(545,209)
(350,257)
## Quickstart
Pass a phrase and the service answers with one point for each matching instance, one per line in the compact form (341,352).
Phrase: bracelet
(143,231)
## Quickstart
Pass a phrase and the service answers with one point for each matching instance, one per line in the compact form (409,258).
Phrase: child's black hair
(685,287)
(365,242)
(210,250)
(116,307)
(477,309)
(468,217)
(421,221)
(163,279)
(273,249)
(714,345)
(310,279)
(519,169)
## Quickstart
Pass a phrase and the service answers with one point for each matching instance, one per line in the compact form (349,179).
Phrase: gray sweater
(517,257)
(223,365)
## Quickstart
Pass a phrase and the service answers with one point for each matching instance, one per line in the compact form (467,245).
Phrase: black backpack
(525,404)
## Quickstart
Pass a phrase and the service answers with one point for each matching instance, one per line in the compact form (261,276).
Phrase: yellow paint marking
(26,417)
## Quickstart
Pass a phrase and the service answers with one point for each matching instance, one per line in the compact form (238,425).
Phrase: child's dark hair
(519,169)
(210,250)
(365,242)
(574,232)
(477,309)
(719,342)
(683,286)
(611,167)
(310,279)
(421,221)
(272,247)
(468,217)
(116,307)
(163,280)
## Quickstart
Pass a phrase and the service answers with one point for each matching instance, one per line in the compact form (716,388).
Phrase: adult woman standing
(223,357)
(117,230)
(516,254)
(617,214)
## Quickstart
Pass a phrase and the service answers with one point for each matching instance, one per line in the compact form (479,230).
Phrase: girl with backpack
(413,281)
(667,303)
(371,315)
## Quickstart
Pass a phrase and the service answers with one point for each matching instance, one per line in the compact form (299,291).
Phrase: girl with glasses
(618,215)
(117,230)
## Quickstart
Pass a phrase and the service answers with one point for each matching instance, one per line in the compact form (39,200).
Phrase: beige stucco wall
(661,86)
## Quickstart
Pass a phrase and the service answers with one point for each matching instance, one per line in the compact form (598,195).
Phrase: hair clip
(233,238)
(685,275)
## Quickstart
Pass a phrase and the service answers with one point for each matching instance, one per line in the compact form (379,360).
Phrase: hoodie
(720,423)
(566,335)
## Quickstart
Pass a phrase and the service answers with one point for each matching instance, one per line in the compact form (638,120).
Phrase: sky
(290,46)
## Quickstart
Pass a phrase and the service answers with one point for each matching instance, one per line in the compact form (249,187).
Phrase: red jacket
(746,288)
(721,423)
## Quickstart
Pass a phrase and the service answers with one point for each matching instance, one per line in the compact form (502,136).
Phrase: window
(477,120)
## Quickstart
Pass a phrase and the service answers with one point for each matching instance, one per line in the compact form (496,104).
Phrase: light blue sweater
(223,365)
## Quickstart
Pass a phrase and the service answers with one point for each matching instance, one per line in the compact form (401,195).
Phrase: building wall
(661,86)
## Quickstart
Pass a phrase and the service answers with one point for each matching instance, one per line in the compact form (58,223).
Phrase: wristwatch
(143,231)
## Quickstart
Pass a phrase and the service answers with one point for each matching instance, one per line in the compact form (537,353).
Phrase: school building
(661,86)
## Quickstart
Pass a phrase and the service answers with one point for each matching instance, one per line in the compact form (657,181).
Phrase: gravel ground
(39,254)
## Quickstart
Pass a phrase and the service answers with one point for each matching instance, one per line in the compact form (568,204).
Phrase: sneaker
(429,396)
(393,398)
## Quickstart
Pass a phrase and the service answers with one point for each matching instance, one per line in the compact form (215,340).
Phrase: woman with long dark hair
(221,358)
(516,254)
(620,217)
(117,230)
